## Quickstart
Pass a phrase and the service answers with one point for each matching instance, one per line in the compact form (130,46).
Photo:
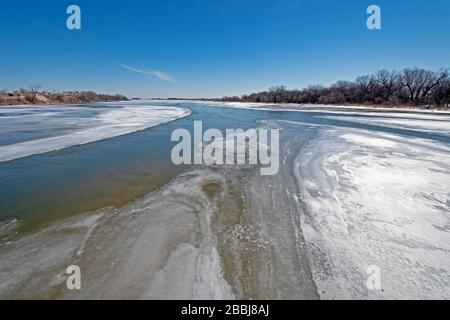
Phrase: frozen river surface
(357,189)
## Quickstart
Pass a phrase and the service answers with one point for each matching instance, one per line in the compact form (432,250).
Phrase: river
(94,186)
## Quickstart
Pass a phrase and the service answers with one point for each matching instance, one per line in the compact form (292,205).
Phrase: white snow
(338,109)
(377,199)
(108,123)
(417,122)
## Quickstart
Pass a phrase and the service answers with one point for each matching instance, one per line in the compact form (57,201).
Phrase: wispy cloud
(152,73)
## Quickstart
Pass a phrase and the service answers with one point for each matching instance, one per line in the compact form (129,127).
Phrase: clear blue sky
(211,48)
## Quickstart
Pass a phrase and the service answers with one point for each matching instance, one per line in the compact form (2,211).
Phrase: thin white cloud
(153,73)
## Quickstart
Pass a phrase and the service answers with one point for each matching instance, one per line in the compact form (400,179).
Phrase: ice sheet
(347,200)
(338,109)
(159,247)
(377,199)
(103,124)
(417,122)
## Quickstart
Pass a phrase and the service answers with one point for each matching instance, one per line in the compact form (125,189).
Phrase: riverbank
(23,97)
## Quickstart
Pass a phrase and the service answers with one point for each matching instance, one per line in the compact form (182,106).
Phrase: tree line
(409,87)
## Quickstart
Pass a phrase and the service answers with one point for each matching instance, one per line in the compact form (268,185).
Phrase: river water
(94,185)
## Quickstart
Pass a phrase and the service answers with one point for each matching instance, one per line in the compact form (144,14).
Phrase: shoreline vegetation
(34,96)
(413,88)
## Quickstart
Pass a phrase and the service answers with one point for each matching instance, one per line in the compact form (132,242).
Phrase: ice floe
(105,123)
(377,199)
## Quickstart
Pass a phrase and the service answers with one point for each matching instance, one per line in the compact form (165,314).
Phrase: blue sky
(211,48)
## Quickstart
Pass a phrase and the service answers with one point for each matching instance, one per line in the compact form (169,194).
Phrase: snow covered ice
(377,199)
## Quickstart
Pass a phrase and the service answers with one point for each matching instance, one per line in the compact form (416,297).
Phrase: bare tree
(433,81)
(441,94)
(389,82)
(34,88)
(277,93)
(364,88)
(420,82)
(411,86)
